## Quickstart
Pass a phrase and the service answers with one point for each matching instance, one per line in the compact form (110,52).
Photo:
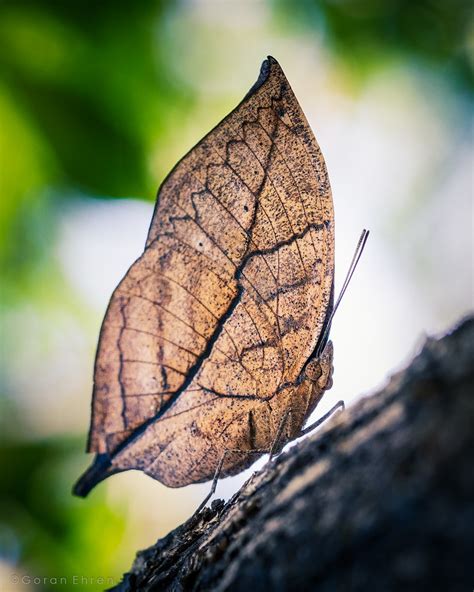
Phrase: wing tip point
(265,70)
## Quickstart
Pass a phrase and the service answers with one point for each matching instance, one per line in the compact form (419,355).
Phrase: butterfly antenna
(350,272)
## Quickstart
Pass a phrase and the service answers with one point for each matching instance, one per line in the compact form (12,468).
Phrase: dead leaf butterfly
(215,343)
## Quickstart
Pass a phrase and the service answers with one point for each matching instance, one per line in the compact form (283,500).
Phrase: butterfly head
(319,369)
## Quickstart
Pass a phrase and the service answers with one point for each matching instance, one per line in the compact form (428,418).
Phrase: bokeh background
(98,100)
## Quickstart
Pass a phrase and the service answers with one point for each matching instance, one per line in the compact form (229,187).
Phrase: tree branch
(379,499)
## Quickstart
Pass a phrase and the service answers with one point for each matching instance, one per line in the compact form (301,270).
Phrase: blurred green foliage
(55,534)
(86,90)
(364,33)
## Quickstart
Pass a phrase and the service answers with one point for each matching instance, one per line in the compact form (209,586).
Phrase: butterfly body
(211,339)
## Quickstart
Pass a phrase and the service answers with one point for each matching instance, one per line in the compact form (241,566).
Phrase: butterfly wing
(228,300)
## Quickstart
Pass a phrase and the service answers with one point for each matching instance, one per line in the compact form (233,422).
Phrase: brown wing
(227,302)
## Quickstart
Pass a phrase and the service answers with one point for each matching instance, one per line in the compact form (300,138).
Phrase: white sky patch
(98,241)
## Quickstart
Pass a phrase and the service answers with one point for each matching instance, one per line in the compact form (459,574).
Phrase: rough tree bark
(381,498)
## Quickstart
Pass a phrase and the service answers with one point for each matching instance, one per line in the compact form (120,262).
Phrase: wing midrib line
(194,369)
(210,343)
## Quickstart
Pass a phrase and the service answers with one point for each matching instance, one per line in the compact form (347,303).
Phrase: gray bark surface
(379,499)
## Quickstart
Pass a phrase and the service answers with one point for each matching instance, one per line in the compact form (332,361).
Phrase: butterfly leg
(218,472)
(339,405)
(275,448)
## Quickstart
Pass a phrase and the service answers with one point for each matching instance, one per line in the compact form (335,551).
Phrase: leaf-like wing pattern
(214,323)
